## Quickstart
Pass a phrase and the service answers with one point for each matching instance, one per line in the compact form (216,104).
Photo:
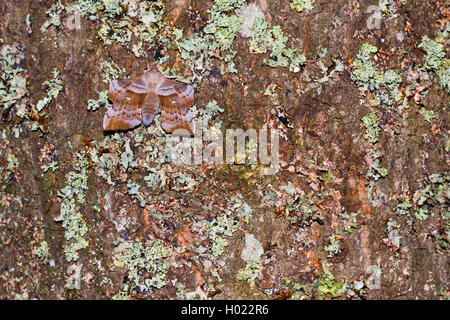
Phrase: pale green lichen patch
(54,14)
(393,230)
(248,14)
(301,5)
(428,115)
(54,86)
(11,162)
(250,272)
(52,166)
(205,115)
(73,196)
(110,70)
(146,266)
(435,60)
(243,209)
(327,285)
(333,246)
(434,191)
(273,40)
(294,205)
(102,101)
(217,36)
(122,294)
(223,225)
(387,7)
(42,251)
(253,249)
(372,127)
(384,85)
(376,171)
(13,84)
(403,207)
(130,23)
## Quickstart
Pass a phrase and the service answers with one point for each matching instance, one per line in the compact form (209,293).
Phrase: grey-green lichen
(11,162)
(122,294)
(73,197)
(373,159)
(250,272)
(384,85)
(428,115)
(435,59)
(130,23)
(403,207)
(387,7)
(206,114)
(51,166)
(216,40)
(110,70)
(54,15)
(146,266)
(42,251)
(273,40)
(295,205)
(53,86)
(301,5)
(221,226)
(327,285)
(434,192)
(333,245)
(372,127)
(13,84)
(102,101)
(393,230)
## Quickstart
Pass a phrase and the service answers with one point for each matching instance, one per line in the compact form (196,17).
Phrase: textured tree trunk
(359,205)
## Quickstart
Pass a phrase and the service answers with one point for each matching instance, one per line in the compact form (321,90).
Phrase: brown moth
(138,100)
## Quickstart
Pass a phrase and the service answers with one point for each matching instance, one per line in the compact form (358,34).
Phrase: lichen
(301,5)
(435,60)
(327,285)
(110,70)
(130,23)
(146,266)
(295,205)
(333,246)
(221,226)
(54,87)
(73,196)
(428,115)
(248,14)
(42,251)
(274,40)
(54,14)
(385,85)
(216,40)
(376,171)
(393,228)
(250,272)
(102,101)
(434,192)
(253,249)
(13,84)
(372,127)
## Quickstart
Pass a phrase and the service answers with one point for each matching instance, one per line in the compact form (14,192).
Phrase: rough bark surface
(325,226)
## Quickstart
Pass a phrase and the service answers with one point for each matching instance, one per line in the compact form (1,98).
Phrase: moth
(138,100)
